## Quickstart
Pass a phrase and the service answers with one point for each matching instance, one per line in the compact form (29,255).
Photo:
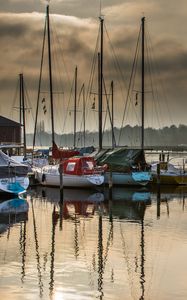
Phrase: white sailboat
(13,176)
(76,172)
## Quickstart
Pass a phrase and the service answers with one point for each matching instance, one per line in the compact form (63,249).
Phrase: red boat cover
(61,154)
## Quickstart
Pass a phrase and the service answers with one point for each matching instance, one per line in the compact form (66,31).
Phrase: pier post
(158,191)
(158,173)
(110,183)
(61,182)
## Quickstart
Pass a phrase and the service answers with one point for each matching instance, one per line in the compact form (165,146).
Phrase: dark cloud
(74,39)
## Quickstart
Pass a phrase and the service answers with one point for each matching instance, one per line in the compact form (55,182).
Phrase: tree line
(127,136)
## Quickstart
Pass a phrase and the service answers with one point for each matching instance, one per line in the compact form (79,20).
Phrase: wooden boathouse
(10,131)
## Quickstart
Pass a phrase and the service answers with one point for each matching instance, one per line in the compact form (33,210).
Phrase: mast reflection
(130,204)
(40,282)
(22,242)
(52,253)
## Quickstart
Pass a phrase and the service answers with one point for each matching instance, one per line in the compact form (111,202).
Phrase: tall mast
(143,74)
(50,75)
(112,116)
(100,64)
(75,108)
(39,86)
(84,113)
(22,102)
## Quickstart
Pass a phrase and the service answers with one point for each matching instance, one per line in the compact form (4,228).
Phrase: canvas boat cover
(9,167)
(122,159)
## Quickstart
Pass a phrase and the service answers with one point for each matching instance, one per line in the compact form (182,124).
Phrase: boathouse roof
(8,123)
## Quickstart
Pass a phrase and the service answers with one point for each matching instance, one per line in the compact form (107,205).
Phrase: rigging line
(70,96)
(29,102)
(108,110)
(92,72)
(134,78)
(93,66)
(14,99)
(130,82)
(57,82)
(39,84)
(154,98)
(160,82)
(115,59)
(64,63)
(82,119)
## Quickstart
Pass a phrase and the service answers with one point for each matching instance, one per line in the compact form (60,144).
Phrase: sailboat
(76,172)
(13,176)
(169,173)
(125,166)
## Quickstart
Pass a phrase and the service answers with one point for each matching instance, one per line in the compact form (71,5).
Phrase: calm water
(128,246)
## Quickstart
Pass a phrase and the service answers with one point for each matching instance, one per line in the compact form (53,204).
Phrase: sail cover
(122,159)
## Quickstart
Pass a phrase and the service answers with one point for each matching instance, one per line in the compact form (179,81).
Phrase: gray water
(128,245)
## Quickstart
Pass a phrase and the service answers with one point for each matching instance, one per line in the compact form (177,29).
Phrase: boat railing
(179,165)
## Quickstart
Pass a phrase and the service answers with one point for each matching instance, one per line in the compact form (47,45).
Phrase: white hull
(15,186)
(86,181)
(118,178)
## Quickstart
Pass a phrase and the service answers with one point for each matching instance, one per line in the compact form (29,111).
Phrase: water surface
(128,245)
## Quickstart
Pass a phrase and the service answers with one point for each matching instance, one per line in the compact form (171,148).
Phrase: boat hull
(171,179)
(132,179)
(15,186)
(83,181)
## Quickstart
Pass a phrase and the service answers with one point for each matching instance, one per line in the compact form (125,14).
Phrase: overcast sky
(74,27)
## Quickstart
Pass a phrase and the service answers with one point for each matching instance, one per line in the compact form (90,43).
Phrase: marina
(93,150)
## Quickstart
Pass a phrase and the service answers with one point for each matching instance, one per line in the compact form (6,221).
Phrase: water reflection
(52,253)
(22,241)
(12,211)
(130,204)
(40,283)
(91,245)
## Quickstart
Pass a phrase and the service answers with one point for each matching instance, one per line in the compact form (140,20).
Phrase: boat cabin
(79,165)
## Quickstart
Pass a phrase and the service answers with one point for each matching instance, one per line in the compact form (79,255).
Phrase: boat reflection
(12,211)
(52,194)
(129,204)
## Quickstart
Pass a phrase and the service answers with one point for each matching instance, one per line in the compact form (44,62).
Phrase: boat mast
(112,116)
(22,107)
(143,74)
(50,74)
(100,64)
(84,115)
(75,108)
(39,87)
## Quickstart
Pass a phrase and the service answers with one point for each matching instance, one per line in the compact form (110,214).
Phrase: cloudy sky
(74,27)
